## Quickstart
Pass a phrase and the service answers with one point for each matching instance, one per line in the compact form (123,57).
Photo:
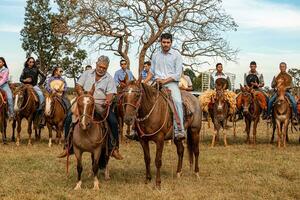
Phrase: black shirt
(32,73)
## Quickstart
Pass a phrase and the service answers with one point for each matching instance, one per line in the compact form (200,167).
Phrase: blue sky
(269,32)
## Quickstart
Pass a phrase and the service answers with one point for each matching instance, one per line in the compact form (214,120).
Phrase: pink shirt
(4,74)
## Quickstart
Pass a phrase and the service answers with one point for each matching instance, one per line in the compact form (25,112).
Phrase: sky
(268,33)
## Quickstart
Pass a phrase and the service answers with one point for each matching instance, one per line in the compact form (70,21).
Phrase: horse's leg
(95,162)
(50,134)
(273,132)
(29,130)
(60,129)
(18,131)
(195,148)
(13,139)
(180,151)
(278,133)
(285,129)
(78,155)
(224,137)
(254,131)
(214,138)
(158,162)
(147,159)
(248,126)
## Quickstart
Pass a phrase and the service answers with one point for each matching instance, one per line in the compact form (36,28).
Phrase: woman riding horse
(30,76)
(4,75)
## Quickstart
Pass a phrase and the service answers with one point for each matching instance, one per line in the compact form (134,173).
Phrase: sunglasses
(31,62)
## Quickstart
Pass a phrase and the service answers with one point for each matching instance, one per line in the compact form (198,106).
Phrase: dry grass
(239,171)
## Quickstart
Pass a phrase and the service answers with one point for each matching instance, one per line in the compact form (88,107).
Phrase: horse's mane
(149,90)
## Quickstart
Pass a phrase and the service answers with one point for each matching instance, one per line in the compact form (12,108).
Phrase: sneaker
(180,136)
(116,154)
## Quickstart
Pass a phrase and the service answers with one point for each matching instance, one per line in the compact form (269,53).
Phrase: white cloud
(10,28)
(263,14)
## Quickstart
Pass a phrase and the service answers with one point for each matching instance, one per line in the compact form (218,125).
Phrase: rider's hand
(122,85)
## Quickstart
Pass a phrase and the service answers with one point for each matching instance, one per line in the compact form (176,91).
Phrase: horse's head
(280,90)
(86,108)
(220,100)
(131,99)
(20,95)
(246,98)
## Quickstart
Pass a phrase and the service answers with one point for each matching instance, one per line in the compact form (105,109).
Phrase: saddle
(62,103)
(187,112)
(298,105)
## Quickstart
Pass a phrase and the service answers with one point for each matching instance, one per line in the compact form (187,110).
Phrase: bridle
(28,97)
(91,117)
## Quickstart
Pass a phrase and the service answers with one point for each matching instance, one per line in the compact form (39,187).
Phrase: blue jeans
(289,96)
(10,101)
(176,96)
(40,95)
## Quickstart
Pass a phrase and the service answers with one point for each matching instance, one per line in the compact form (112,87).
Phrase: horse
(3,115)
(251,110)
(149,108)
(219,113)
(55,115)
(282,113)
(25,106)
(90,136)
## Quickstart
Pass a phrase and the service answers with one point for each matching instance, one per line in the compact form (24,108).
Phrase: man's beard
(100,74)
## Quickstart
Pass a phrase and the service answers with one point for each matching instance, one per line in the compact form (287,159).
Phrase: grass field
(239,171)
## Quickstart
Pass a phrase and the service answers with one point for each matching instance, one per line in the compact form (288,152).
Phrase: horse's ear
(91,92)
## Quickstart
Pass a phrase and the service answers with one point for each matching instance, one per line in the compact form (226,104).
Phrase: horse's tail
(189,142)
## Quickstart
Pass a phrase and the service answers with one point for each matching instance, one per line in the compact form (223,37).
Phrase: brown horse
(89,136)
(3,115)
(219,114)
(150,110)
(282,113)
(25,106)
(55,115)
(251,110)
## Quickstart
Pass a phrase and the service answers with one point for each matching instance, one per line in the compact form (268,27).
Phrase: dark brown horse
(55,115)
(25,106)
(219,114)
(3,115)
(248,103)
(282,113)
(150,110)
(89,136)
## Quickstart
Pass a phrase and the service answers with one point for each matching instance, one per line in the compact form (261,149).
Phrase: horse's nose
(128,120)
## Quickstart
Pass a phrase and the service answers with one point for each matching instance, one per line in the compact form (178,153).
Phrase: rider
(283,67)
(185,82)
(166,69)
(57,84)
(255,80)
(104,83)
(120,74)
(228,94)
(4,75)
(144,74)
(30,76)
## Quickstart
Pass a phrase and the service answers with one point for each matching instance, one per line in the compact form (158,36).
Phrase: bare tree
(198,27)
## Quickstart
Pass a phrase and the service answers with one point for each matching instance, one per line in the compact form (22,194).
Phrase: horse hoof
(179,174)
(197,175)
(148,180)
(17,143)
(49,145)
(96,186)
(107,178)
(29,144)
(78,186)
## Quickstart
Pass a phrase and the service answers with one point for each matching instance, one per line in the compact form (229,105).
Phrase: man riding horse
(255,80)
(185,82)
(229,96)
(289,84)
(105,89)
(122,73)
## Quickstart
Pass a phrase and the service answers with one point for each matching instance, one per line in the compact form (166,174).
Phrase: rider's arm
(273,84)
(212,82)
(47,86)
(43,77)
(229,83)
(4,77)
(149,77)
(261,81)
